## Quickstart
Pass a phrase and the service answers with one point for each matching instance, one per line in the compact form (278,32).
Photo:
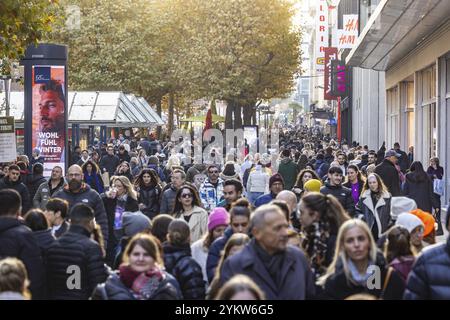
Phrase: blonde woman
(172,164)
(120,198)
(13,280)
(358,267)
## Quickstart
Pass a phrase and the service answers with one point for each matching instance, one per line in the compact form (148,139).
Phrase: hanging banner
(8,151)
(339,79)
(321,34)
(48,115)
(348,35)
(330,55)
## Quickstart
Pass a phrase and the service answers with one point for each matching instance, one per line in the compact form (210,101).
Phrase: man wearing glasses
(211,191)
(76,191)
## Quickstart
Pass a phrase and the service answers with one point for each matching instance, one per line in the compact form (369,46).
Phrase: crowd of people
(135,220)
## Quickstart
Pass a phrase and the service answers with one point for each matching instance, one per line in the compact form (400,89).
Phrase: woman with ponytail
(320,216)
(179,262)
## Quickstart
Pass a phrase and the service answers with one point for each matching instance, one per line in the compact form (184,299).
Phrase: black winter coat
(109,163)
(389,174)
(179,263)
(429,278)
(114,289)
(150,198)
(17,240)
(420,191)
(92,199)
(44,239)
(338,287)
(34,184)
(21,188)
(343,194)
(74,248)
(110,208)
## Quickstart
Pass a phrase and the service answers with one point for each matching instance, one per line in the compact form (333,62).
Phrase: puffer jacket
(215,252)
(168,200)
(74,248)
(379,218)
(342,194)
(430,276)
(44,239)
(258,181)
(17,240)
(45,192)
(90,197)
(150,198)
(114,289)
(179,263)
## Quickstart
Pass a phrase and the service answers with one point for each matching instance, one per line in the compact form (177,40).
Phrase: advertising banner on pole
(330,55)
(8,151)
(48,115)
(339,79)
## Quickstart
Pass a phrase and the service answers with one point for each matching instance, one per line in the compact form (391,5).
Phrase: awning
(113,109)
(215,118)
(395,28)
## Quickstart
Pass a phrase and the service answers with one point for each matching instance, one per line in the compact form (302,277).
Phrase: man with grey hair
(282,272)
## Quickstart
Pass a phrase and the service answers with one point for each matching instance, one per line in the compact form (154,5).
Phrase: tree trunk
(237,116)
(171,111)
(248,114)
(229,115)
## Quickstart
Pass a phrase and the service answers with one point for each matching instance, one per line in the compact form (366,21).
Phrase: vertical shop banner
(339,79)
(330,55)
(8,149)
(48,113)
(321,34)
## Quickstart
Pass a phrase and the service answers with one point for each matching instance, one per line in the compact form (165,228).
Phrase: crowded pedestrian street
(190,150)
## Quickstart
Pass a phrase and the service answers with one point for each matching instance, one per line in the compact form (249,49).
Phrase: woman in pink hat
(218,221)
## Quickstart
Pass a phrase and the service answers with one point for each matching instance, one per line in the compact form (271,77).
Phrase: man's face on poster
(51,111)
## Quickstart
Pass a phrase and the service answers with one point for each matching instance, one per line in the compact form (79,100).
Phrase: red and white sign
(349,34)
(321,34)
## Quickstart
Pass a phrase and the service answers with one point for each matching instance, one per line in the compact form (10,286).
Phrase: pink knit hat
(218,217)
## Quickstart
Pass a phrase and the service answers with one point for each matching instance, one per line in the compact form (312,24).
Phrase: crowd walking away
(135,218)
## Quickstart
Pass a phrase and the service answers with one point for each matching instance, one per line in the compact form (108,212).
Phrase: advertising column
(46,104)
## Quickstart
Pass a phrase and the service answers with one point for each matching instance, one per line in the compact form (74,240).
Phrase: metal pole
(7,82)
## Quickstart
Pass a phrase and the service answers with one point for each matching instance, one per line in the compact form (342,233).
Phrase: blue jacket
(214,253)
(430,277)
(264,199)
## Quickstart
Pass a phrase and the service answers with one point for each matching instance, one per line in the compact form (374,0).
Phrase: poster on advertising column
(48,112)
(8,149)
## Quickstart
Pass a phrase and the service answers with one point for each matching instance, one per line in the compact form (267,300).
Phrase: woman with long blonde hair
(358,267)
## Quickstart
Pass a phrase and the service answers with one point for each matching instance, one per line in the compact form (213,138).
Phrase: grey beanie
(135,222)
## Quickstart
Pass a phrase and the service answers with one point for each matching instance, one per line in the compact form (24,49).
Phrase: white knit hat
(409,221)
(401,205)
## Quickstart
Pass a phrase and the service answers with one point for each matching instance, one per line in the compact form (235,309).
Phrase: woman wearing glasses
(188,207)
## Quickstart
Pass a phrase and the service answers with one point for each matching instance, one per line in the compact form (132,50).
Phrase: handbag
(438,186)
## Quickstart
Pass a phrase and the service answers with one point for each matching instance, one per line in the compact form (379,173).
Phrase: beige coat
(198,224)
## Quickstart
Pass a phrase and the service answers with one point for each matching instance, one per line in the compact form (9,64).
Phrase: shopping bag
(105,178)
(438,186)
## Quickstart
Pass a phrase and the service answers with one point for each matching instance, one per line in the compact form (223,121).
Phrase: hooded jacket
(91,198)
(342,194)
(389,174)
(179,263)
(288,170)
